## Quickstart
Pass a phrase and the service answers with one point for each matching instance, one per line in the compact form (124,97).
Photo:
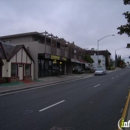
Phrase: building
(52,55)
(102,55)
(16,63)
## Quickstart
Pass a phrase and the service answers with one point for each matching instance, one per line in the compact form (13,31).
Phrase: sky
(81,21)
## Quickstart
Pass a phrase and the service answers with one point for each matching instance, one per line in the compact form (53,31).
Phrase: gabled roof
(2,53)
(1,62)
(10,50)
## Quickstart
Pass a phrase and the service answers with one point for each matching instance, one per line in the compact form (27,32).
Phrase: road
(93,103)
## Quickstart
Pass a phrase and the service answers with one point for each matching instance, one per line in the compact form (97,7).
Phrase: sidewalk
(21,85)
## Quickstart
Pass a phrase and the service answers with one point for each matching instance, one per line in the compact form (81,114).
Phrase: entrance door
(20,72)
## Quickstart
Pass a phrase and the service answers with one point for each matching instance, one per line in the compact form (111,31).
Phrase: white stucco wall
(6,69)
(19,56)
(102,58)
(13,59)
(24,56)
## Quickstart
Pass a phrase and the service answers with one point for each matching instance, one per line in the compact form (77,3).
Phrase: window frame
(29,70)
(16,73)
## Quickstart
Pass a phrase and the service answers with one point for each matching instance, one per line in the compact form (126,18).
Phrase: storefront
(51,65)
(78,64)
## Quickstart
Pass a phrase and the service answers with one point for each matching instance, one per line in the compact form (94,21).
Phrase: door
(20,72)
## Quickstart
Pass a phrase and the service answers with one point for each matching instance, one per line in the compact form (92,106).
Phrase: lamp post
(115,54)
(100,40)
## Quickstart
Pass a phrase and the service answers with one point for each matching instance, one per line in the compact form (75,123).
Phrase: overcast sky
(81,21)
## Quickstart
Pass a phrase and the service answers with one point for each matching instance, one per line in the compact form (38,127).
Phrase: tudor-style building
(16,63)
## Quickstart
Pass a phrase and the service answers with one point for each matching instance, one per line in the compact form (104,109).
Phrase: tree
(99,61)
(125,29)
(120,62)
(88,59)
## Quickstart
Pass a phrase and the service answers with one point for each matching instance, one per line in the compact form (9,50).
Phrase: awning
(78,61)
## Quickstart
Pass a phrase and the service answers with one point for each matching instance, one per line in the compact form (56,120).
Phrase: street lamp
(100,40)
(117,50)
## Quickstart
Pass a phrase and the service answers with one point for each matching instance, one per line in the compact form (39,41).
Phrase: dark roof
(1,62)
(2,53)
(101,52)
(21,34)
(10,50)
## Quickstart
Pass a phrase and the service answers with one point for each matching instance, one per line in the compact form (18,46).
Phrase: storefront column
(65,68)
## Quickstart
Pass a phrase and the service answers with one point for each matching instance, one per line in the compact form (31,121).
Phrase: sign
(64,59)
(54,62)
(122,124)
(55,57)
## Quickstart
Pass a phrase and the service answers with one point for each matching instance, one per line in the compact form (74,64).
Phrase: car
(78,71)
(100,72)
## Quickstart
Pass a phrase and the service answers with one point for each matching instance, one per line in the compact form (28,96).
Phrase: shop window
(58,45)
(13,69)
(27,69)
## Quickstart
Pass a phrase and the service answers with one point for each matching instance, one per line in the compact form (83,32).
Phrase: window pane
(13,69)
(27,69)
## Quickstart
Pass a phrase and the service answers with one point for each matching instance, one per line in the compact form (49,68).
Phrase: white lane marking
(96,85)
(121,110)
(113,78)
(51,106)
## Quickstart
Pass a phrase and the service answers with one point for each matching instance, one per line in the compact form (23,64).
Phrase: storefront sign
(54,62)
(55,57)
(64,59)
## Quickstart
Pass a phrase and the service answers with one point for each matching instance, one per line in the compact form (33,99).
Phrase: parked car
(100,72)
(89,70)
(78,71)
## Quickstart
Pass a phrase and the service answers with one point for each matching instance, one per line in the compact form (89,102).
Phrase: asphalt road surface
(93,103)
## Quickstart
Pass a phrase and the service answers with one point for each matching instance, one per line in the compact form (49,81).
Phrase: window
(27,69)
(58,45)
(13,69)
(75,51)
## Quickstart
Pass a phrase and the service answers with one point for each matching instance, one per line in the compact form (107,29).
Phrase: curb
(34,86)
(125,110)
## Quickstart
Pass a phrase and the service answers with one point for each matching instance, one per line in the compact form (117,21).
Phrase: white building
(99,57)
